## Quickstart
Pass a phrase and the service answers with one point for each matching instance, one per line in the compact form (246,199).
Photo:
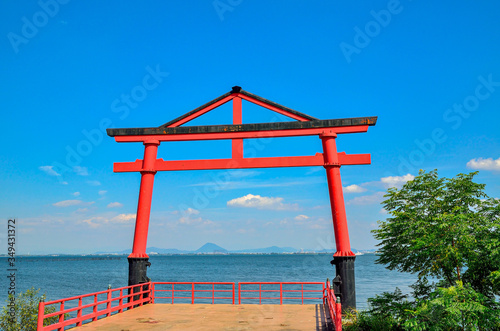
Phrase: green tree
(24,314)
(443,228)
(446,230)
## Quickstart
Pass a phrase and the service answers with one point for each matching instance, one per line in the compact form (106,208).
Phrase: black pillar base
(345,286)
(137,273)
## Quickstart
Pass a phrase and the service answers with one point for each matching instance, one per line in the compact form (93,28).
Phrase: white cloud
(376,197)
(115,205)
(93,182)
(76,194)
(301,217)
(97,221)
(396,181)
(259,202)
(102,192)
(195,221)
(67,203)
(191,211)
(81,171)
(354,189)
(64,183)
(484,164)
(189,218)
(123,218)
(49,170)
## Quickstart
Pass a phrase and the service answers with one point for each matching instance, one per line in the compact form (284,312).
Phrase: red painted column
(145,196)
(332,167)
(344,258)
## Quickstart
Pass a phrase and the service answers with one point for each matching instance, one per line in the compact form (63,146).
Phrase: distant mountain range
(211,248)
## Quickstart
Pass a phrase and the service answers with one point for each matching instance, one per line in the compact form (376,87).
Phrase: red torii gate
(304,125)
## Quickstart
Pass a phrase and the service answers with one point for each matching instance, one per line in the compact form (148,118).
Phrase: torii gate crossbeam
(330,159)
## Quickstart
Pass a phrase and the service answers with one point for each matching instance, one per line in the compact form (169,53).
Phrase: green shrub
(23,315)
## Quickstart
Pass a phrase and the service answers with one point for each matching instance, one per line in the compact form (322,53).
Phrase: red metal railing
(270,293)
(191,289)
(90,311)
(88,307)
(334,306)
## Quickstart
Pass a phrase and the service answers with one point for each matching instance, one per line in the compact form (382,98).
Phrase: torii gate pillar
(344,257)
(138,261)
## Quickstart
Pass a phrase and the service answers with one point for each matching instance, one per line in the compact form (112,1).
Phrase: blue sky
(429,71)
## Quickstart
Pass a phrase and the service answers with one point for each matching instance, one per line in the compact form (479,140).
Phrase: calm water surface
(64,276)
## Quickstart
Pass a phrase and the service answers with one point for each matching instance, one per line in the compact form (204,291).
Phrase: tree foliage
(443,228)
(24,314)
(446,230)
(456,307)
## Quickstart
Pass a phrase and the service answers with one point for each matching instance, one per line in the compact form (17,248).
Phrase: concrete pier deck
(215,317)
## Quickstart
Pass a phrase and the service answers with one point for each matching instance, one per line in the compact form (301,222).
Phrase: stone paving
(215,317)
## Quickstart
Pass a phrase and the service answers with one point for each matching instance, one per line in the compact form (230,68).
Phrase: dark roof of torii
(311,122)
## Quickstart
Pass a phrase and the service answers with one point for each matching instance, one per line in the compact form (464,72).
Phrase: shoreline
(119,255)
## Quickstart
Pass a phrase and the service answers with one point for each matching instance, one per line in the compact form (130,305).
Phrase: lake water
(65,276)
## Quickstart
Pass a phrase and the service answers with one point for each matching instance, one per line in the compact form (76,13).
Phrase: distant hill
(210,248)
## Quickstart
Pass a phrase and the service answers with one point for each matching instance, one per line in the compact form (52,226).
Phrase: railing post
(79,313)
(213,293)
(120,302)
(338,315)
(41,313)
(108,304)
(233,293)
(61,316)
(152,292)
(192,293)
(142,296)
(146,287)
(173,289)
(325,287)
(281,293)
(95,309)
(260,294)
(239,293)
